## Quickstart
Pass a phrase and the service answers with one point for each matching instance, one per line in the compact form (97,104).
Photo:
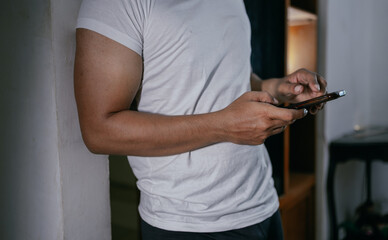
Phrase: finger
(262,97)
(315,84)
(313,110)
(323,83)
(278,130)
(284,114)
(321,106)
(311,80)
(276,123)
(308,78)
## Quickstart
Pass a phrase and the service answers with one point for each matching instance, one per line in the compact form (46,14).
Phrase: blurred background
(52,187)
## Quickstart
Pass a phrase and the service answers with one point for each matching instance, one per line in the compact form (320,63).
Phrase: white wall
(51,186)
(353,49)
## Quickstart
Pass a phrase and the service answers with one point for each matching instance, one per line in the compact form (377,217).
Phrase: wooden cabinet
(297,208)
(298,201)
(284,38)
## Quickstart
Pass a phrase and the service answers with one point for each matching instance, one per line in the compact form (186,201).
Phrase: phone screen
(318,100)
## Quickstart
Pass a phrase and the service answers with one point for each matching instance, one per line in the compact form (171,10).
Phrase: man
(196,142)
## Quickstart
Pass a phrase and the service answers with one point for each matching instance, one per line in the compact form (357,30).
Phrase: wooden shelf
(297,207)
(300,187)
(297,203)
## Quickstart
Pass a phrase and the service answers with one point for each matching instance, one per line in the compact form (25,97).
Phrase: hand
(252,118)
(299,86)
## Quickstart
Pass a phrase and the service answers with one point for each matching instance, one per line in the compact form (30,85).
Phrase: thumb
(262,97)
(287,114)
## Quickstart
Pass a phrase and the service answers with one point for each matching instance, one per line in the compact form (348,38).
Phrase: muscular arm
(107,77)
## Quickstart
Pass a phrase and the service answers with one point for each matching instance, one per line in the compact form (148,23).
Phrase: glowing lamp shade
(301,40)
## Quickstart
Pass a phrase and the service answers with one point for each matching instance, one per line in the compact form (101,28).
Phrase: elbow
(93,146)
(93,141)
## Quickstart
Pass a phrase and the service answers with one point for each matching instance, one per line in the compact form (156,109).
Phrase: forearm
(269,85)
(142,134)
(249,120)
(256,82)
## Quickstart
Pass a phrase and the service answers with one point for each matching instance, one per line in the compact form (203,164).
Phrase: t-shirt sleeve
(119,20)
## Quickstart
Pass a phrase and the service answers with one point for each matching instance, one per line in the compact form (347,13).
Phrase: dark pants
(270,229)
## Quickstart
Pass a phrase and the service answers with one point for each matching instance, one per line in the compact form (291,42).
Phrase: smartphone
(318,100)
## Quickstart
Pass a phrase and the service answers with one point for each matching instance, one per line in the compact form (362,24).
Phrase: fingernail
(305,111)
(298,89)
(318,87)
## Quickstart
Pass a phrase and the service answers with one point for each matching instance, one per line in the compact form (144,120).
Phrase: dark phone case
(315,101)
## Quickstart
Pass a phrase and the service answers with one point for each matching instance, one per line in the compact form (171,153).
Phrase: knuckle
(266,94)
(261,140)
(247,94)
(266,125)
(253,127)
(303,70)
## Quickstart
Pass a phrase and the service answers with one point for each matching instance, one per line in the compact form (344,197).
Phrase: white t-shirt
(196,57)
